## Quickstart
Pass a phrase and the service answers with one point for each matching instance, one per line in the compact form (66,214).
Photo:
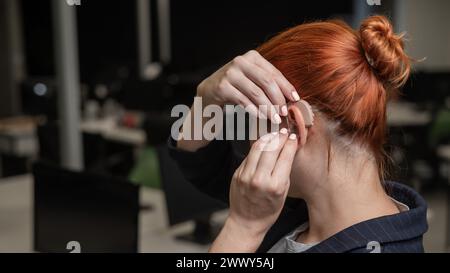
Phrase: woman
(336,166)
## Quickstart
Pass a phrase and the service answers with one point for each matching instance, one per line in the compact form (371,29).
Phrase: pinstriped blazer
(210,169)
(400,233)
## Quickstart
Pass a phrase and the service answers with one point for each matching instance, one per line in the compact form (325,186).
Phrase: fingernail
(295,96)
(284,131)
(284,110)
(277,119)
(293,136)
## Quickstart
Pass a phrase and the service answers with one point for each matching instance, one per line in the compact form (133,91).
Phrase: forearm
(234,238)
(188,141)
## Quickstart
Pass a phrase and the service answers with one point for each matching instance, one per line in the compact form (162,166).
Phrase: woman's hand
(250,81)
(258,191)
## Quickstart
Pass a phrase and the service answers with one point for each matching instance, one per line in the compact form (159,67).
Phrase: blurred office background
(86,90)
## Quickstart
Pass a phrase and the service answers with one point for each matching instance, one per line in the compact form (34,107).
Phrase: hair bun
(384,51)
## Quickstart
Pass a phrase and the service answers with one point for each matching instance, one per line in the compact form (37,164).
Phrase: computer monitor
(184,202)
(99,212)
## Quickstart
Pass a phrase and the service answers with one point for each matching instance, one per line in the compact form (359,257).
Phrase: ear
(297,124)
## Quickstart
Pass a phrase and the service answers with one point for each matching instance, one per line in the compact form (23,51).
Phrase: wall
(428,26)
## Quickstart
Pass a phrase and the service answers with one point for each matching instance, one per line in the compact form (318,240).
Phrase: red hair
(346,75)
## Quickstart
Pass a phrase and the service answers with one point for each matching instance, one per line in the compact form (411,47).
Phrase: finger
(241,168)
(240,99)
(254,155)
(255,94)
(265,80)
(271,152)
(286,87)
(283,165)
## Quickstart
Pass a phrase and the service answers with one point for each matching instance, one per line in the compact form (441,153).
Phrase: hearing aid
(299,119)
(308,114)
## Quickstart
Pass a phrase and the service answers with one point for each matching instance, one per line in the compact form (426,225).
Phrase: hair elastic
(369,60)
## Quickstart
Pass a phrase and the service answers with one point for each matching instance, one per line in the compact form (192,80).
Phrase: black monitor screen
(99,212)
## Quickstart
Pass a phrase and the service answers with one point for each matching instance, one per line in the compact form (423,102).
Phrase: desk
(401,114)
(18,143)
(18,136)
(109,129)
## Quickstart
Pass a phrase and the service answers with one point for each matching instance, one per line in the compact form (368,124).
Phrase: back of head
(344,74)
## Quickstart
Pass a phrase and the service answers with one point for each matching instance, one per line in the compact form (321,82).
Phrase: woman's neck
(350,193)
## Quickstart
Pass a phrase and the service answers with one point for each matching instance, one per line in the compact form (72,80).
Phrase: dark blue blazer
(210,169)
